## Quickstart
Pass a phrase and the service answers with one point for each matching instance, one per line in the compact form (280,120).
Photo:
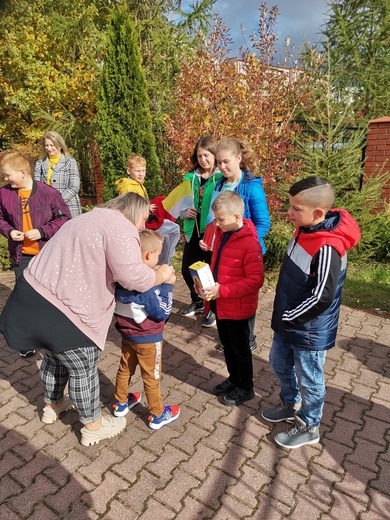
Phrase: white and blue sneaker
(122,409)
(170,414)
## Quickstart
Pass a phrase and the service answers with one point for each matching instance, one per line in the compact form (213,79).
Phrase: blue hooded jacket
(250,189)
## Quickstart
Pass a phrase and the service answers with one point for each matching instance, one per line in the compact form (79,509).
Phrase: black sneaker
(209,320)
(225,386)
(27,353)
(238,396)
(220,347)
(193,308)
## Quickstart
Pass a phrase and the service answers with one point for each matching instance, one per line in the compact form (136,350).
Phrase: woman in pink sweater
(65,301)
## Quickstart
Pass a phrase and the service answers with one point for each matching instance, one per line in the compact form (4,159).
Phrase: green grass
(367,287)
(176,260)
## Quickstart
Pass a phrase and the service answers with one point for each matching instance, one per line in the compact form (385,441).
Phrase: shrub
(277,241)
(5,260)
(248,100)
(375,242)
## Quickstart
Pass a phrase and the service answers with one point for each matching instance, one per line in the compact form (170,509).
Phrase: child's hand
(17,236)
(172,279)
(33,234)
(211,293)
(166,270)
(152,208)
(203,245)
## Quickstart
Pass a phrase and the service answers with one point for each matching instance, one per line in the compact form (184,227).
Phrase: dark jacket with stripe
(141,317)
(308,293)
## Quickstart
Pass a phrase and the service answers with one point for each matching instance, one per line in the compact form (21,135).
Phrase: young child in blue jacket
(140,319)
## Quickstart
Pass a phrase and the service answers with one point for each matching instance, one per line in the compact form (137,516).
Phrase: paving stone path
(215,462)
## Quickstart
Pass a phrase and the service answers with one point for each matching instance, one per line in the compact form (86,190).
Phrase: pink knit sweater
(77,269)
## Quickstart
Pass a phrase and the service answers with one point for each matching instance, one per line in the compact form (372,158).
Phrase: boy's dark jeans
(234,336)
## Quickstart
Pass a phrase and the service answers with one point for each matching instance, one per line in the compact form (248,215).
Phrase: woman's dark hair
(208,143)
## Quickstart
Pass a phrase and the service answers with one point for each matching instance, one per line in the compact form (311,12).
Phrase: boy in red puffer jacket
(237,266)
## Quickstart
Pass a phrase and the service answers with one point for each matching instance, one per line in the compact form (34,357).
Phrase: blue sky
(298,19)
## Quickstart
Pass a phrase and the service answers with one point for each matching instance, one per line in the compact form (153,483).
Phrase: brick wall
(378,150)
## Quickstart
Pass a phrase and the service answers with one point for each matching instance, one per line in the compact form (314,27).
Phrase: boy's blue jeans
(301,378)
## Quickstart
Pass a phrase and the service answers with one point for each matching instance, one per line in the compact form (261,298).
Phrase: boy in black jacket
(307,306)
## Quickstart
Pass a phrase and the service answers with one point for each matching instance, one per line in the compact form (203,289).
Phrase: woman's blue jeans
(301,378)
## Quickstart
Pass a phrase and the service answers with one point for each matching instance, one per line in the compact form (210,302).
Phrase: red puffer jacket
(240,273)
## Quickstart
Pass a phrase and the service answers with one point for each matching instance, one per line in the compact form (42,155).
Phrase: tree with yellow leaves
(49,66)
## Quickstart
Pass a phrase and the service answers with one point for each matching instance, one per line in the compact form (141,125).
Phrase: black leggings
(18,269)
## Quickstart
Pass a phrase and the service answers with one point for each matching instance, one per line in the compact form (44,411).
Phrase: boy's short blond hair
(150,240)
(230,201)
(16,161)
(135,160)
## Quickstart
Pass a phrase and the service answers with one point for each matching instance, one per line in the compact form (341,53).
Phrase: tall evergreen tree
(358,40)
(331,146)
(165,34)
(124,120)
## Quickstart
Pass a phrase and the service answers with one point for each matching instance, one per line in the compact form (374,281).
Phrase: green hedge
(5,260)
(276,241)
